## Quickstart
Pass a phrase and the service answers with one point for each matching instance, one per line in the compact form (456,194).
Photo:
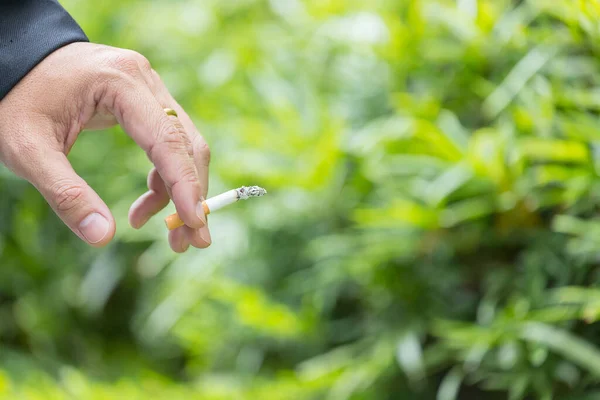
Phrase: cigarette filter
(219,201)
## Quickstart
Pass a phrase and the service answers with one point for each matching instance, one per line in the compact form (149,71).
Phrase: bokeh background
(431,229)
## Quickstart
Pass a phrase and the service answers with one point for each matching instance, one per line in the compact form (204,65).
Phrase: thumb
(73,200)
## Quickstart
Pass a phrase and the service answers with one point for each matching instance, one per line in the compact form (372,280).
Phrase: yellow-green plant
(431,228)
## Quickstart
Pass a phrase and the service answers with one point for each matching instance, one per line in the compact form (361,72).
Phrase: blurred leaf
(571,347)
(450,385)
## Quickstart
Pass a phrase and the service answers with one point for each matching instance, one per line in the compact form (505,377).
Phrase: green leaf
(571,347)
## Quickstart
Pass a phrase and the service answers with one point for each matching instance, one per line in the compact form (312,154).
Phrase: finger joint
(201,150)
(67,196)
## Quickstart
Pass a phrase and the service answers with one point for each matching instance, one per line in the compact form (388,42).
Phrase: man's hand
(85,85)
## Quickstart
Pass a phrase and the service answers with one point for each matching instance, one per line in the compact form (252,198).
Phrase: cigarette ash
(245,192)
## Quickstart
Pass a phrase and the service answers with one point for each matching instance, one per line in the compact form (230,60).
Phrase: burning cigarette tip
(245,192)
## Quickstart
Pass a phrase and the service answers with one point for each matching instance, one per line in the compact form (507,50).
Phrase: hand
(86,85)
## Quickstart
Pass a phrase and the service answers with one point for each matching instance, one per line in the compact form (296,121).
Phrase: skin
(90,86)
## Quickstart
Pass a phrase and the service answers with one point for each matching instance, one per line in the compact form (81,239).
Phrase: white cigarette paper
(219,201)
(224,199)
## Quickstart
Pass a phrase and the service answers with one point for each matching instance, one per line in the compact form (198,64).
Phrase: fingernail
(200,212)
(141,223)
(184,245)
(94,228)
(205,235)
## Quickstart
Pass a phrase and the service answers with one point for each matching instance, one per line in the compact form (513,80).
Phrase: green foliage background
(431,229)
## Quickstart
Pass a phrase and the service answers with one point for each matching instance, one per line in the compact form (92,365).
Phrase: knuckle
(67,195)
(201,150)
(126,63)
(154,74)
(186,146)
(173,139)
(143,62)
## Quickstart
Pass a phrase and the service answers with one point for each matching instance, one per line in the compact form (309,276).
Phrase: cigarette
(219,201)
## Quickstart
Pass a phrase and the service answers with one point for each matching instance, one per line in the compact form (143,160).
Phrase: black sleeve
(29,31)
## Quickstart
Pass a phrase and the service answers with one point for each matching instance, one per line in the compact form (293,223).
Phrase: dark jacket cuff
(29,31)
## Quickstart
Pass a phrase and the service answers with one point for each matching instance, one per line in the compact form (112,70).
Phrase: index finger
(164,139)
(199,145)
